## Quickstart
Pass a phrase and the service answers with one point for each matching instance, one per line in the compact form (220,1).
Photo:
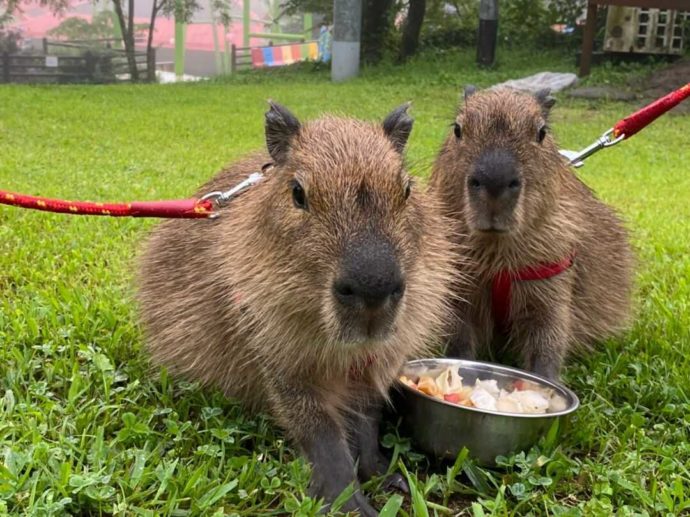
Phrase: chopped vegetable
(523,396)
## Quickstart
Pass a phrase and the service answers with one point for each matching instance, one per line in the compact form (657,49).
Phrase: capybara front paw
(396,483)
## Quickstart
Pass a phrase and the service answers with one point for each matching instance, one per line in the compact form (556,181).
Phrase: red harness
(502,284)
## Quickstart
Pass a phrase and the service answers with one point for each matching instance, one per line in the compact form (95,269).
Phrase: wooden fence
(73,62)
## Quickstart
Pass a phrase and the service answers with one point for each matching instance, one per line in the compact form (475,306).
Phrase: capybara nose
(370,276)
(495,172)
(370,293)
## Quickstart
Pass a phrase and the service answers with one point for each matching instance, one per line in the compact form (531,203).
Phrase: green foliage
(10,8)
(76,28)
(527,23)
(566,11)
(324,7)
(450,24)
(87,427)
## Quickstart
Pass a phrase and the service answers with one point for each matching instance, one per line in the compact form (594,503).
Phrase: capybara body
(309,291)
(518,206)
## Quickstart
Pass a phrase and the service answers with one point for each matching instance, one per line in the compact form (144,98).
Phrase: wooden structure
(71,62)
(591,23)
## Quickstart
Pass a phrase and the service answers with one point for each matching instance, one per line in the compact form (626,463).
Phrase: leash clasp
(220,198)
(608,139)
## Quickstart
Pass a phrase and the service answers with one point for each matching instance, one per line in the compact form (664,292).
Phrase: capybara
(309,291)
(549,265)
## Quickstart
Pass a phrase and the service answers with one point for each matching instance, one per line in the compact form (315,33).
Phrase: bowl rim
(499,367)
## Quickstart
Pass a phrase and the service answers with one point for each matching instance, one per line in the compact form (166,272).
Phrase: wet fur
(244,302)
(556,215)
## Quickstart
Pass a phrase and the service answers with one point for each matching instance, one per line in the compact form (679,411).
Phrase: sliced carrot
(452,397)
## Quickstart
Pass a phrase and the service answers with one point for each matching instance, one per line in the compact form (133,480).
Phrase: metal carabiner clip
(576,159)
(220,198)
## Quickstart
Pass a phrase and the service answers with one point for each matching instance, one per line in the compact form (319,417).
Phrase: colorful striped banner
(313,51)
(268,56)
(257,57)
(284,54)
(277,56)
(304,51)
(287,55)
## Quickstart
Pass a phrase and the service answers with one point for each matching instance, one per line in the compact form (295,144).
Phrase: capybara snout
(493,189)
(369,287)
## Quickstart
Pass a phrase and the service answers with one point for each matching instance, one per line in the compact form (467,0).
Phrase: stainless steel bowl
(442,429)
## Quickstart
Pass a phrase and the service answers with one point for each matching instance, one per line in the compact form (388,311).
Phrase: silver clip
(576,159)
(220,198)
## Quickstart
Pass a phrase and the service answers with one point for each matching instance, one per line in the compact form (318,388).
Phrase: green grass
(88,428)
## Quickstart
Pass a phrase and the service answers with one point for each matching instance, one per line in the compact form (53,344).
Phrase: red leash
(176,209)
(630,125)
(642,118)
(181,208)
(501,287)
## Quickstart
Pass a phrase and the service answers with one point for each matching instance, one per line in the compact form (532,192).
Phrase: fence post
(107,68)
(5,67)
(45,45)
(233,59)
(90,66)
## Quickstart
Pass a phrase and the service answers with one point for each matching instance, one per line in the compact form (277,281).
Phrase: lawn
(88,427)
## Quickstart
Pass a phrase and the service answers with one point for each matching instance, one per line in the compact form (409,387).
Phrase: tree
(182,10)
(412,28)
(77,28)
(9,8)
(377,22)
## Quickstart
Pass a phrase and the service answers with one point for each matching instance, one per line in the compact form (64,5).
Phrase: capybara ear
(545,100)
(398,126)
(469,91)
(281,127)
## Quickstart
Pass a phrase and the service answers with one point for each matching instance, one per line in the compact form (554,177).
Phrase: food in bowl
(520,396)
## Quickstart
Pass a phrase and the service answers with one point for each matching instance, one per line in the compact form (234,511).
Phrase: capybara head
(344,216)
(503,159)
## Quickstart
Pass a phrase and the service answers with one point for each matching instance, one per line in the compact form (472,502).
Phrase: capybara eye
(408,189)
(473,183)
(542,134)
(515,184)
(299,198)
(457,130)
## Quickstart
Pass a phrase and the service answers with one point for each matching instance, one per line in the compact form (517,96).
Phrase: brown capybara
(550,265)
(307,294)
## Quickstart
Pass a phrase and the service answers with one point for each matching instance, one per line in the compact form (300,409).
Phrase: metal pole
(308,25)
(246,13)
(180,30)
(216,47)
(488,32)
(274,7)
(347,28)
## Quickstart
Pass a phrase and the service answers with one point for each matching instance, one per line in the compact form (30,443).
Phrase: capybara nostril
(368,291)
(474,183)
